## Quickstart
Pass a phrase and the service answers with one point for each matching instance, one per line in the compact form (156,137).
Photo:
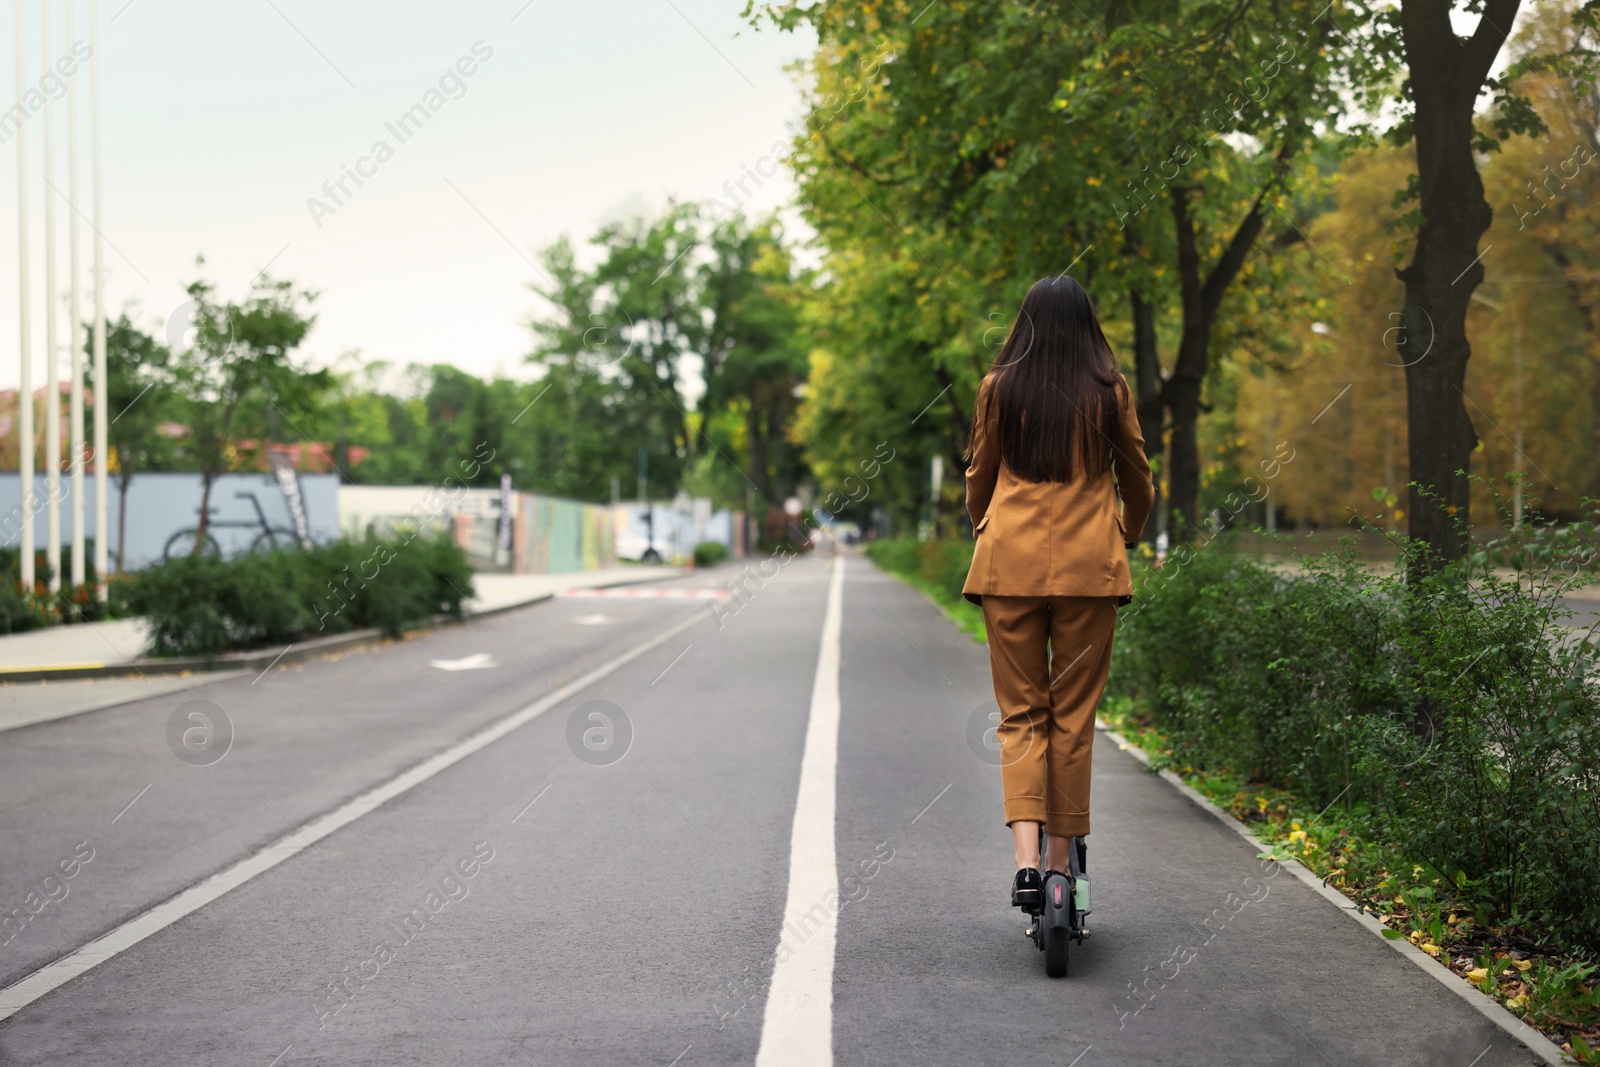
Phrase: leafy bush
(22,610)
(205,605)
(188,602)
(1259,672)
(897,556)
(1454,711)
(942,565)
(451,573)
(709,553)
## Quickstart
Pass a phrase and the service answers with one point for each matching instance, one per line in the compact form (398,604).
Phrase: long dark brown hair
(1055,386)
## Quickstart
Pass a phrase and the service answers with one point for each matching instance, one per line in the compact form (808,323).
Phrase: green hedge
(1453,717)
(709,553)
(205,605)
(942,565)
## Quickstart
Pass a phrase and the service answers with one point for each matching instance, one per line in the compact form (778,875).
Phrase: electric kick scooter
(1059,918)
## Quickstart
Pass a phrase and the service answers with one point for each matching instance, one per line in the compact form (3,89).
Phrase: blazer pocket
(978,529)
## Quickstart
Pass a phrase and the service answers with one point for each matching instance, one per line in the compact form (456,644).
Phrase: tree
(1148,148)
(753,356)
(610,353)
(1448,73)
(670,301)
(241,352)
(139,379)
(1545,315)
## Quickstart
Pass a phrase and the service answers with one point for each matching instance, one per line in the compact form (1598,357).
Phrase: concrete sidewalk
(121,643)
(87,645)
(124,640)
(499,592)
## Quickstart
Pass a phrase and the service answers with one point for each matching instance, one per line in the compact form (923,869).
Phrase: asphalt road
(585,890)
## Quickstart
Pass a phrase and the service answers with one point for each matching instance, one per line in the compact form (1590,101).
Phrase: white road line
(931,803)
(798,1026)
(131,803)
(532,802)
(18,995)
(673,664)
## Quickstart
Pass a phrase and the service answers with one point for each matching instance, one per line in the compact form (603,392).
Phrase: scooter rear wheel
(1056,924)
(1055,953)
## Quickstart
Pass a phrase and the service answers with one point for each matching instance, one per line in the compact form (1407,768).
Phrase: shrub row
(709,553)
(204,605)
(1455,716)
(29,609)
(941,564)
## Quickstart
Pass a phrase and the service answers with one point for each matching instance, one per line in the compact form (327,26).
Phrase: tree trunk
(124,479)
(1447,73)
(1147,374)
(206,479)
(1182,396)
(756,441)
(1147,384)
(1181,393)
(1146,356)
(1201,299)
(782,489)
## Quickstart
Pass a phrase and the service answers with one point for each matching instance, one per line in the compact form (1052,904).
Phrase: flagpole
(25,377)
(52,396)
(102,453)
(75,325)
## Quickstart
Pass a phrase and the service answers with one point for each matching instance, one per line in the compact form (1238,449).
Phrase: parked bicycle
(182,543)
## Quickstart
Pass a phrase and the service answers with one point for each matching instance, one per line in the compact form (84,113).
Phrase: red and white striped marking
(650,594)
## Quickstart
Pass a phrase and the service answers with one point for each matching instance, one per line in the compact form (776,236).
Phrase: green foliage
(205,605)
(241,360)
(1455,717)
(943,565)
(19,610)
(896,555)
(1168,155)
(709,553)
(1302,658)
(138,398)
(619,343)
(22,610)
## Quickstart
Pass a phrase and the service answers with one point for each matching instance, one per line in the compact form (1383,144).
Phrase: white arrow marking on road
(478,661)
(797,1030)
(592,620)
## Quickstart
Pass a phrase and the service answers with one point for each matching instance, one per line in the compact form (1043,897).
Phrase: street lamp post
(74,326)
(25,375)
(102,454)
(52,394)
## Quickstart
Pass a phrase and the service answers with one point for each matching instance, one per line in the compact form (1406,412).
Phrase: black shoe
(1027,891)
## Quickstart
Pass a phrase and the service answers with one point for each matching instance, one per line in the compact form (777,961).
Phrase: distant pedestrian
(1055,444)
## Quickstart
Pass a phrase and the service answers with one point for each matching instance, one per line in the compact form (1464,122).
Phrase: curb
(247,661)
(1488,1007)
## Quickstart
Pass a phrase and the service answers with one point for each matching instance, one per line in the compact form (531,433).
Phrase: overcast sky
(222,120)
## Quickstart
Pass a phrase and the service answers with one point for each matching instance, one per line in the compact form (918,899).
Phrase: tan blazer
(1054,538)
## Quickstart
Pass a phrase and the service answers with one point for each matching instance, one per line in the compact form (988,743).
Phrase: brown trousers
(1050,657)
